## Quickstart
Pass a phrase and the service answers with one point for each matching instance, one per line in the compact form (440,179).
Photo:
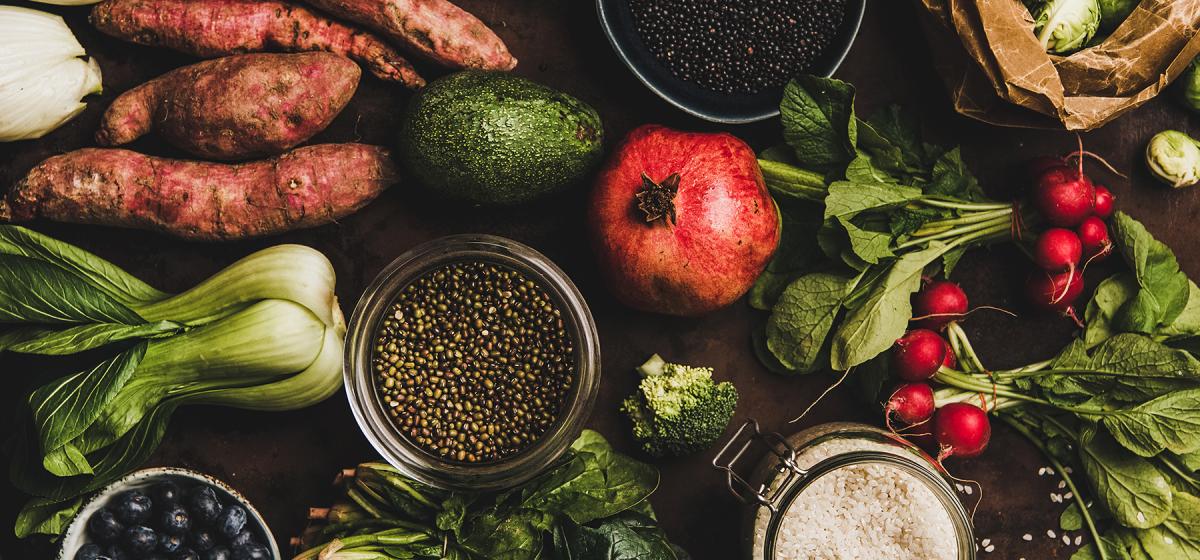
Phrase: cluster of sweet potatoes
(298,77)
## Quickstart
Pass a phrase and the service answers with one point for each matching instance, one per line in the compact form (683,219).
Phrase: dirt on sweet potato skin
(212,28)
(435,29)
(306,187)
(237,107)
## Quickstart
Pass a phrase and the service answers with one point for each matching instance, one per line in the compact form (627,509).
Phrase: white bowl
(76,534)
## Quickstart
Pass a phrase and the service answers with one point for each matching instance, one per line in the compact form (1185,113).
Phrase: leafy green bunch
(263,334)
(867,206)
(1121,403)
(591,506)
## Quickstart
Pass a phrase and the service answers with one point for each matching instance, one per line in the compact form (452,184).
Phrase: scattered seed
(1050,533)
(1066,539)
(989,548)
(1026,537)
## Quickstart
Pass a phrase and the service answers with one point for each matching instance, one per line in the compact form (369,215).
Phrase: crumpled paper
(998,72)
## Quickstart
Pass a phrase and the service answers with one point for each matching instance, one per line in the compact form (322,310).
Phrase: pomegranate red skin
(726,224)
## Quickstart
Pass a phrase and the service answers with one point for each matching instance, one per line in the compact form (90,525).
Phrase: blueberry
(169,544)
(231,521)
(174,520)
(115,552)
(133,507)
(218,553)
(203,504)
(140,540)
(166,493)
(251,552)
(186,554)
(89,551)
(244,537)
(201,540)
(104,527)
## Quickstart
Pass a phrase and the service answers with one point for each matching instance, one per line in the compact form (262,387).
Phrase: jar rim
(956,512)
(379,429)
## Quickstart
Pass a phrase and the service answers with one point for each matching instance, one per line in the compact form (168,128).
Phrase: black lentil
(473,362)
(737,46)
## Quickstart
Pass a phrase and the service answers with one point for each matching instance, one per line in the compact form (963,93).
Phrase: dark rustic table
(284,462)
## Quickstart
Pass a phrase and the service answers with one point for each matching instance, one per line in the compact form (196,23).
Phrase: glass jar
(371,414)
(776,488)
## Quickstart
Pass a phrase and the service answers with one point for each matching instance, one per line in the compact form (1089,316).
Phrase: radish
(962,430)
(918,355)
(1036,167)
(910,403)
(1104,202)
(951,360)
(1054,292)
(939,303)
(1093,234)
(1057,250)
(1064,196)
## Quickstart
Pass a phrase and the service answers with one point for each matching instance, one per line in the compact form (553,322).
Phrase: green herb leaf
(1071,518)
(1110,296)
(598,482)
(1126,368)
(796,251)
(118,284)
(1136,493)
(846,199)
(791,182)
(883,317)
(892,141)
(33,291)
(818,121)
(800,323)
(1170,422)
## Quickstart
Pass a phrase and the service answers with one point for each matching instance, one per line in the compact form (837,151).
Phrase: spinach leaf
(818,121)
(1071,518)
(800,323)
(628,536)
(1163,288)
(1188,322)
(1170,422)
(873,327)
(1128,486)
(1126,368)
(72,340)
(1120,543)
(33,291)
(65,408)
(502,535)
(1178,538)
(846,199)
(599,482)
(111,279)
(891,139)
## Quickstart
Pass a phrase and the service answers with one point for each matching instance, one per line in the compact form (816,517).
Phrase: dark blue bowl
(617,21)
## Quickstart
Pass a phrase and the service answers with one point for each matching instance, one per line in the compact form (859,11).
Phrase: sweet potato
(435,29)
(303,188)
(212,28)
(237,107)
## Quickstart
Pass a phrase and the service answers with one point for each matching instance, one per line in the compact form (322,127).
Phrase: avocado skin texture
(494,138)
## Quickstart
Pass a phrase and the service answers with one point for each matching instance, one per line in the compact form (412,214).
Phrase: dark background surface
(284,462)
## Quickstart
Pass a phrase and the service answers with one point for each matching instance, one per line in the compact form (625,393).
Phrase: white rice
(866,511)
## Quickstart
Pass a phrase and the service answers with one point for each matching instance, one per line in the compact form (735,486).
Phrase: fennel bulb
(44,73)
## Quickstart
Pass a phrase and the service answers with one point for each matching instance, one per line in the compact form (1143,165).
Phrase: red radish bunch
(918,355)
(910,403)
(1068,200)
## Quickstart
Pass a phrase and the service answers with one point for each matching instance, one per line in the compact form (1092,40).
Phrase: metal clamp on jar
(817,494)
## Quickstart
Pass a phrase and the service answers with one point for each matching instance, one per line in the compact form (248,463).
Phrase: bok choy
(44,73)
(264,334)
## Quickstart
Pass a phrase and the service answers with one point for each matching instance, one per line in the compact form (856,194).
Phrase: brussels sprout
(1189,86)
(1113,12)
(1174,158)
(1065,26)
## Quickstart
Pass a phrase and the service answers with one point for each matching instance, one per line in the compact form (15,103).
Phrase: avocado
(494,138)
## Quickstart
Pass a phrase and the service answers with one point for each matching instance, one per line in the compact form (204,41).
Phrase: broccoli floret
(678,409)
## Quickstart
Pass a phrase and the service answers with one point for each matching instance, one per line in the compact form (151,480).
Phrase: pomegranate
(682,222)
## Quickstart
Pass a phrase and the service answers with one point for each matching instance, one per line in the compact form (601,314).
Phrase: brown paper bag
(997,71)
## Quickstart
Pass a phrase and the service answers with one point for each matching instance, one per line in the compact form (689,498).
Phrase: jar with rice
(844,491)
